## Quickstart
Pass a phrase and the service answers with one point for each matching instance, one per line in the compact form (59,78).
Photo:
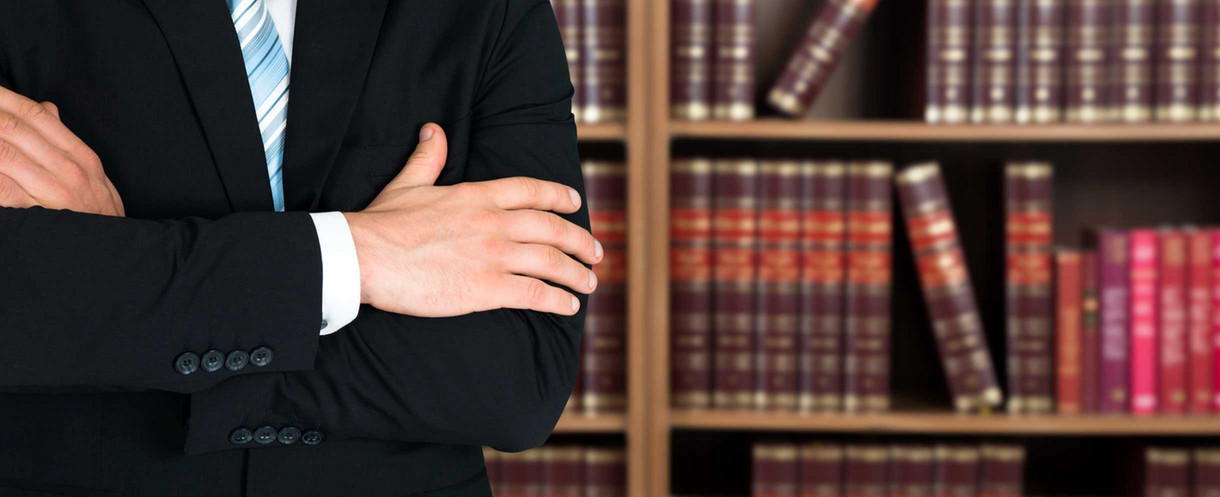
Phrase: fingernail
(575,304)
(592,280)
(575,197)
(426,133)
(597,250)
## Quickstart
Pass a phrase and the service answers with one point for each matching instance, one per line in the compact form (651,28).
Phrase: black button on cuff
(265,435)
(289,435)
(186,363)
(237,360)
(312,437)
(262,356)
(241,436)
(213,360)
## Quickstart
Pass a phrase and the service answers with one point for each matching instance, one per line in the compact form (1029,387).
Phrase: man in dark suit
(218,277)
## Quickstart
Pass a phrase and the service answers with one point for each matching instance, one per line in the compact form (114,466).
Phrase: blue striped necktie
(267,70)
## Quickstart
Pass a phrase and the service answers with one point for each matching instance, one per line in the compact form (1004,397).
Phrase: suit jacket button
(289,435)
(213,360)
(265,435)
(241,436)
(312,437)
(262,356)
(186,363)
(237,360)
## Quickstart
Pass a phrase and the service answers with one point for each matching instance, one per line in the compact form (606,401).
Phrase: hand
(439,251)
(43,163)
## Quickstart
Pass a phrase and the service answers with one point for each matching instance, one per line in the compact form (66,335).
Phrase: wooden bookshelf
(604,132)
(914,131)
(578,423)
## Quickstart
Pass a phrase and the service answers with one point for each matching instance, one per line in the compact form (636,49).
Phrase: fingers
(52,108)
(548,263)
(12,195)
(522,292)
(530,226)
(428,159)
(45,121)
(38,182)
(529,193)
(34,145)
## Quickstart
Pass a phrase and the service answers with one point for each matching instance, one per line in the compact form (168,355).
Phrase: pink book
(1216,317)
(1144,290)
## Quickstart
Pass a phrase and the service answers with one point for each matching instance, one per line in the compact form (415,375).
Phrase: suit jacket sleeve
(498,378)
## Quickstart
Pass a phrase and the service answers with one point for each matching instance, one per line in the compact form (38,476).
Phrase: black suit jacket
(95,311)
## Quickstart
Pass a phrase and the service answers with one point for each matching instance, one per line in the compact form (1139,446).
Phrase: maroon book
(823,237)
(1167,472)
(1209,73)
(734,271)
(1002,472)
(779,235)
(603,60)
(1068,308)
(1199,300)
(1173,348)
(1177,60)
(1087,85)
(491,461)
(1090,353)
(733,73)
(691,54)
(775,470)
(563,471)
(949,61)
(1134,26)
(1206,481)
(995,27)
(957,471)
(1029,295)
(604,363)
(521,473)
(912,471)
(1113,280)
(567,14)
(867,471)
(605,472)
(866,385)
(821,470)
(818,53)
(1039,63)
(690,283)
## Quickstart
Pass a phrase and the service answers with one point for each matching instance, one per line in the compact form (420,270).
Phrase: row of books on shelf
(561,470)
(1046,61)
(595,42)
(820,469)
(1180,472)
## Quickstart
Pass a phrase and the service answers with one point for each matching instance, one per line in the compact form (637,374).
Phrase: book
(912,471)
(605,472)
(734,271)
(1134,29)
(603,60)
(866,471)
(1172,323)
(491,462)
(948,293)
(1086,87)
(1216,319)
(1039,61)
(1090,323)
(1167,472)
(779,237)
(1206,465)
(1177,63)
(1209,59)
(1068,292)
(957,471)
(521,473)
(949,61)
(866,323)
(567,15)
(733,69)
(775,470)
(994,46)
(1199,301)
(821,470)
(1028,287)
(691,54)
(823,240)
(1002,470)
(1113,280)
(563,471)
(833,28)
(690,286)
(604,363)
(1144,286)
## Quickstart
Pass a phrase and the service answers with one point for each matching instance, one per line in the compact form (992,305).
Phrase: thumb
(52,108)
(426,163)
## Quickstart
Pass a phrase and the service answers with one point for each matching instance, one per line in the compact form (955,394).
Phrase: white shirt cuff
(340,271)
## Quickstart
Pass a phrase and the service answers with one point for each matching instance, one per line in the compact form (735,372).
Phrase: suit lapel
(332,48)
(200,35)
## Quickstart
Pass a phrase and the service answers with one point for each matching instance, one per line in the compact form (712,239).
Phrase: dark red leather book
(1167,472)
(1067,332)
(1209,53)
(521,473)
(775,470)
(563,471)
(605,473)
(603,367)
(690,283)
(1145,292)
(491,461)
(1172,332)
(734,271)
(1028,286)
(866,385)
(1090,339)
(1003,471)
(949,61)
(957,471)
(567,14)
(779,237)
(823,237)
(1216,319)
(1114,287)
(1039,61)
(993,95)
(1206,465)
(691,35)
(1199,302)
(733,73)
(867,471)
(1177,60)
(1087,86)
(948,293)
(1134,46)
(821,470)
(816,56)
(913,471)
(603,60)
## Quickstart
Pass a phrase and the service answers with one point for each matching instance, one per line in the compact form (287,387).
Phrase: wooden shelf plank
(948,423)
(591,423)
(601,132)
(913,131)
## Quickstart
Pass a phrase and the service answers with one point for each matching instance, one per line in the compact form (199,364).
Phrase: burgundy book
(690,283)
(691,45)
(733,73)
(1113,285)
(779,236)
(866,471)
(1039,63)
(957,471)
(1177,60)
(603,71)
(491,461)
(1090,363)
(823,239)
(1145,284)
(734,271)
(567,14)
(1002,472)
(1172,330)
(1134,45)
(1167,472)
(912,472)
(948,293)
(563,471)
(818,53)
(949,61)
(775,470)
(1206,462)
(866,382)
(604,363)
(1209,53)
(1068,282)
(1028,286)
(1199,301)
(521,473)
(821,470)
(993,95)
(1215,319)
(1087,83)
(605,472)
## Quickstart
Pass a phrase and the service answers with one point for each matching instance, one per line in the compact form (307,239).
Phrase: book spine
(1088,61)
(1206,462)
(1209,74)
(866,384)
(522,473)
(1144,286)
(1067,330)
(821,470)
(1200,303)
(823,239)
(779,236)
(491,462)
(818,53)
(957,471)
(1039,94)
(949,61)
(1177,90)
(995,42)
(1028,288)
(1135,43)
(567,15)
(603,60)
(1216,319)
(691,54)
(1002,471)
(563,471)
(775,470)
(734,269)
(1168,472)
(1090,353)
(603,368)
(1153,472)
(867,471)
(733,80)
(690,267)
(912,471)
(948,293)
(1173,320)
(605,472)
(1114,277)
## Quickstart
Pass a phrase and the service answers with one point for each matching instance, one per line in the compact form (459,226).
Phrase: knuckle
(536,293)
(528,186)
(30,109)
(8,122)
(8,153)
(554,225)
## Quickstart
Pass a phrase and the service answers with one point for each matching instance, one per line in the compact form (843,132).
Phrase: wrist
(356,224)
